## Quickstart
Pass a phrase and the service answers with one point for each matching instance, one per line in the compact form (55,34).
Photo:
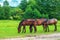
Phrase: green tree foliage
(46,6)
(6,10)
(23,4)
(36,14)
(1,13)
(31,11)
(16,13)
(5,3)
(28,13)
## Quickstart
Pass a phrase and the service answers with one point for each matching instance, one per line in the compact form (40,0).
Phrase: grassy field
(8,29)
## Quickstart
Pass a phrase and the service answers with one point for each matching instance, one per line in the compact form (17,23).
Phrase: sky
(12,3)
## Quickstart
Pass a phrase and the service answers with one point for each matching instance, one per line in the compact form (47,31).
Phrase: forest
(31,9)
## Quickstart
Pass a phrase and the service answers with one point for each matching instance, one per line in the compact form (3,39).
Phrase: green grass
(8,29)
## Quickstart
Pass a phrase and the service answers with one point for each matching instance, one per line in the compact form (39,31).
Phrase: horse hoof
(45,31)
(55,30)
(48,31)
(34,32)
(24,32)
(30,31)
(18,32)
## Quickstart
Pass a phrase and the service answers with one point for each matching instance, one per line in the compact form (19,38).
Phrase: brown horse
(31,22)
(38,22)
(51,22)
(24,23)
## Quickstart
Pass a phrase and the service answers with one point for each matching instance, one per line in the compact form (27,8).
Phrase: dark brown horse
(39,22)
(24,23)
(31,22)
(51,22)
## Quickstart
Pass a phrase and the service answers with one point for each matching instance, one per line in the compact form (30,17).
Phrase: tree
(5,3)
(1,13)
(16,13)
(31,11)
(36,14)
(46,6)
(6,9)
(23,4)
(28,13)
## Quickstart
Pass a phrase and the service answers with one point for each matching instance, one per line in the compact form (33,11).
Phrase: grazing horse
(24,23)
(31,22)
(51,22)
(38,22)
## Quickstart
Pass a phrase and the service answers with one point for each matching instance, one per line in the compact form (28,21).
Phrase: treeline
(31,9)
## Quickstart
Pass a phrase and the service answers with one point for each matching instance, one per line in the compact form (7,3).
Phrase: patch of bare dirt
(55,36)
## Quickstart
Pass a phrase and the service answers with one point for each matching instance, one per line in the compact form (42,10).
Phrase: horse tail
(19,26)
(56,20)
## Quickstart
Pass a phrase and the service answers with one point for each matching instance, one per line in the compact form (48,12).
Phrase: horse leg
(43,27)
(55,27)
(35,28)
(47,28)
(30,28)
(19,29)
(24,29)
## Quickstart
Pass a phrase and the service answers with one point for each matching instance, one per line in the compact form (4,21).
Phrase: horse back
(28,22)
(52,21)
(41,21)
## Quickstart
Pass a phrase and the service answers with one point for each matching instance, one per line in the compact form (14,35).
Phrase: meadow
(8,29)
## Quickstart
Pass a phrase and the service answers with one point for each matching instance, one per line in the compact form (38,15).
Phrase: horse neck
(20,24)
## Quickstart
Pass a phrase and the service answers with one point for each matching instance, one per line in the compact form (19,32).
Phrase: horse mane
(21,22)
